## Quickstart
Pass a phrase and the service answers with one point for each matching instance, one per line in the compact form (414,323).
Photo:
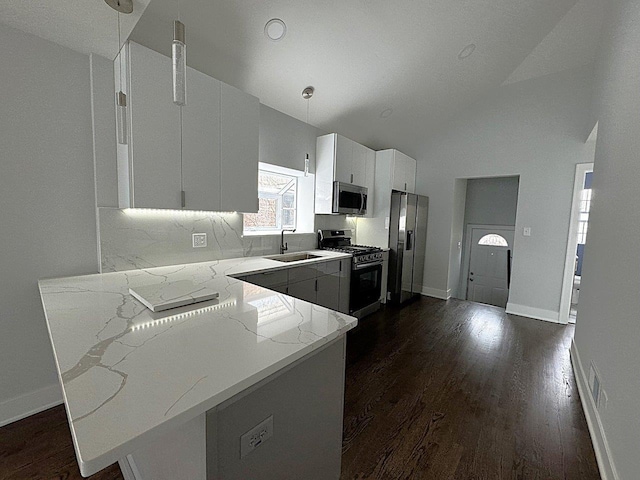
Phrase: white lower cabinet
(305,290)
(326,284)
(345,285)
(328,294)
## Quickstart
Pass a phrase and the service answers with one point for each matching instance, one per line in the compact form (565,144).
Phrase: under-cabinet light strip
(181,316)
(157,211)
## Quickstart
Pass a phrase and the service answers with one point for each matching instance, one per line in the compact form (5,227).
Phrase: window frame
(280,208)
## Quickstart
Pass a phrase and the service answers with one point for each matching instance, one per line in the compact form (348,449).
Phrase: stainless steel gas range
(366,270)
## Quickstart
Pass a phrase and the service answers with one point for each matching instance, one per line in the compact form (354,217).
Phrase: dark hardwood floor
(40,447)
(437,390)
(460,390)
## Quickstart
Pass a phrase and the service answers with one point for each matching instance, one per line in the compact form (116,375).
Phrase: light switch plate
(199,240)
(526,231)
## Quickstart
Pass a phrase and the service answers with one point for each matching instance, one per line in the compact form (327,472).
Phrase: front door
(489,263)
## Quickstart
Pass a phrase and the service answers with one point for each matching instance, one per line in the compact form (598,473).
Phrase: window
(277,196)
(494,240)
(583,221)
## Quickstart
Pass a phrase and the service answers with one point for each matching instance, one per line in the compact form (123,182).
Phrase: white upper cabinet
(343,158)
(240,119)
(403,171)
(369,182)
(213,167)
(339,159)
(358,164)
(201,143)
(154,143)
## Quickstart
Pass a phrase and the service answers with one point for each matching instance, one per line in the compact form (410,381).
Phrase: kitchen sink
(293,257)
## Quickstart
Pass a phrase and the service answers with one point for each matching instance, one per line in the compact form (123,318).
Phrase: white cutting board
(163,296)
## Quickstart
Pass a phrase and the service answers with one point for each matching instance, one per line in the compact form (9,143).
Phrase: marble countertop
(129,375)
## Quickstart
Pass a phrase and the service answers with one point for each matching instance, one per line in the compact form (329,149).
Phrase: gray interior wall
(457,235)
(534,129)
(607,328)
(489,201)
(47,198)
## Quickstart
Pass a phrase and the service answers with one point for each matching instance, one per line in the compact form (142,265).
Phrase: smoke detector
(275,29)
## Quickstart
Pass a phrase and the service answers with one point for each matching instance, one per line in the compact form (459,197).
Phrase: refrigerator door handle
(409,239)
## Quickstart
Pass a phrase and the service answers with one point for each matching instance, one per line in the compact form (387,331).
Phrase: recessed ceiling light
(467,51)
(275,29)
(386,113)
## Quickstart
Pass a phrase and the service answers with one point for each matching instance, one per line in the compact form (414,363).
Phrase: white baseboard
(598,437)
(30,403)
(531,312)
(436,293)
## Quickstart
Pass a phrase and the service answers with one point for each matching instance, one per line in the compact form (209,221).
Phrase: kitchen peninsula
(173,394)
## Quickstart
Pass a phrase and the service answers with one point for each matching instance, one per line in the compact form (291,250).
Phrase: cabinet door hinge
(183,199)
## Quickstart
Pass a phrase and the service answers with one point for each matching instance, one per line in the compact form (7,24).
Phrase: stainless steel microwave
(349,199)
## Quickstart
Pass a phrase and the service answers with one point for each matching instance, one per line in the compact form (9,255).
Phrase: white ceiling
(572,43)
(363,56)
(88,26)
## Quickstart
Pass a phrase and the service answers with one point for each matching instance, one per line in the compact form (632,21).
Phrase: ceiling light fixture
(121,6)
(307,93)
(386,113)
(179,64)
(275,29)
(467,51)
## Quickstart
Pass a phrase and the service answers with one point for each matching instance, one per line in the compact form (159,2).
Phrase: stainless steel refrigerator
(408,242)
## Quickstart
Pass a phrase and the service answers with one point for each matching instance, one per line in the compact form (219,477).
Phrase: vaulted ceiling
(364,56)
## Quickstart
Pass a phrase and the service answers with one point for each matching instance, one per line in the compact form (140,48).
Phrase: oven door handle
(365,265)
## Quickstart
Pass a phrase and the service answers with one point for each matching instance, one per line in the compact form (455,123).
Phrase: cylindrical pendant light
(179,62)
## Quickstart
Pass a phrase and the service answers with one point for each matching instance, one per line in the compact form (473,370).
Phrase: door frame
(466,261)
(572,242)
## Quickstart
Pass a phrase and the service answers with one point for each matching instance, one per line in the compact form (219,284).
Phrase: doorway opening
(488,239)
(578,228)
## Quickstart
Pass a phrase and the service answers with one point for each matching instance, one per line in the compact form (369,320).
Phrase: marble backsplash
(131,239)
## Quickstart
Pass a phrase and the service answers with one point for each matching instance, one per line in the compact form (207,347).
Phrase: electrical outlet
(526,231)
(256,437)
(199,240)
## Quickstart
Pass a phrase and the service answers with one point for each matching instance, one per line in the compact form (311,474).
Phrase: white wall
(534,129)
(285,140)
(47,199)
(608,326)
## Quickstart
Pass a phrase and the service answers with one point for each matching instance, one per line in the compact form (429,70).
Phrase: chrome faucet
(284,246)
